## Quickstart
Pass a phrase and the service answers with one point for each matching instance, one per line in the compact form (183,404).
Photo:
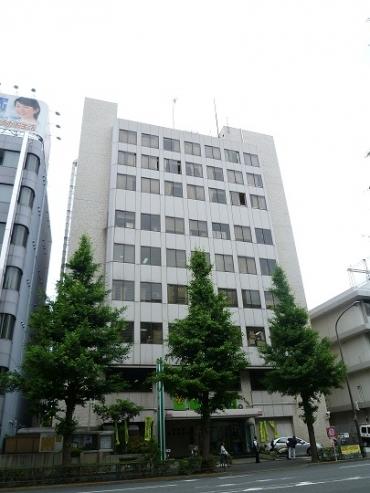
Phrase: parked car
(302,447)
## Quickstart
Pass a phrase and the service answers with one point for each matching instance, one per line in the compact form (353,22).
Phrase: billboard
(23,113)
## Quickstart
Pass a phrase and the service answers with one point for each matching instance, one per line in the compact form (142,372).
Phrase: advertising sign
(350,449)
(23,113)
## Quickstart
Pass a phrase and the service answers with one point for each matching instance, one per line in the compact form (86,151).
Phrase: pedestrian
(291,443)
(272,445)
(256,448)
(223,456)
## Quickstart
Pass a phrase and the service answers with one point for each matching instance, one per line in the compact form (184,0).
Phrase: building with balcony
(148,196)
(25,242)
(350,310)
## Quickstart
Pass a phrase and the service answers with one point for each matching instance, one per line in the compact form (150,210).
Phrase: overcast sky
(295,69)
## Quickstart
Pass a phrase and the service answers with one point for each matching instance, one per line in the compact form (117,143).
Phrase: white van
(365,434)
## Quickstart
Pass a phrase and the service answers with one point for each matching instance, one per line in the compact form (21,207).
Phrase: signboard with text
(24,113)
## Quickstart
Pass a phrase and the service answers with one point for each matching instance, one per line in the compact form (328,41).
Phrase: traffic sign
(331,432)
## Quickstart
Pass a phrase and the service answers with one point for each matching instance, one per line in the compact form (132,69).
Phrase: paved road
(298,476)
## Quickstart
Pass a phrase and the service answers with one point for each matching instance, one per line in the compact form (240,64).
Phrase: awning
(226,413)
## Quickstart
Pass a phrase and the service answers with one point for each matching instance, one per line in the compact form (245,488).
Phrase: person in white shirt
(223,456)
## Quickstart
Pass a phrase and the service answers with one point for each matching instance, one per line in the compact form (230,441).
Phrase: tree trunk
(205,426)
(68,427)
(309,419)
(205,436)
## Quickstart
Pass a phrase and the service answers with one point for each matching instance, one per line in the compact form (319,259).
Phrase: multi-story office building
(148,196)
(345,319)
(25,242)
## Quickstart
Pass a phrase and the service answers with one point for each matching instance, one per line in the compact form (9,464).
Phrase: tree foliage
(74,340)
(120,411)
(302,364)
(204,357)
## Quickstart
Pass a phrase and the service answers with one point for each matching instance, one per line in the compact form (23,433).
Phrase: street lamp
(354,410)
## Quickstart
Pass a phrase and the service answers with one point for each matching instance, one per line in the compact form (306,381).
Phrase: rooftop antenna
(174,101)
(216,117)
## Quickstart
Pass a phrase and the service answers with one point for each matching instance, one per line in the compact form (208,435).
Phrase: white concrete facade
(98,197)
(354,334)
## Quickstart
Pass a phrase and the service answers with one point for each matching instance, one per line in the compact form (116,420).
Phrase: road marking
(265,480)
(253,489)
(116,490)
(355,465)
(226,484)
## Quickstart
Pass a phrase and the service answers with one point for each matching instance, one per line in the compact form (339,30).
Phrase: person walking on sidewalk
(223,456)
(256,448)
(291,443)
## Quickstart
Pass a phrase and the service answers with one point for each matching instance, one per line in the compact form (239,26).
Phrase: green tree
(118,413)
(74,340)
(302,365)
(204,357)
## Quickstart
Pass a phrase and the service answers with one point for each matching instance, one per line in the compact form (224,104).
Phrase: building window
(126,182)
(230,295)
(256,336)
(232,156)
(26,197)
(151,292)
(258,202)
(235,177)
(151,333)
(254,180)
(127,158)
(212,152)
(198,228)
(150,185)
(224,263)
(19,235)
(150,222)
(195,192)
(12,278)
(221,231)
(148,140)
(9,158)
(175,225)
(173,188)
(257,379)
(123,290)
(269,300)
(268,265)
(5,192)
(177,294)
(192,148)
(263,236)
(214,173)
(128,332)
(243,233)
(127,137)
(194,169)
(2,231)
(172,166)
(251,298)
(171,144)
(150,162)
(176,258)
(124,253)
(217,195)
(32,163)
(150,255)
(251,160)
(125,219)
(7,323)
(247,265)
(238,198)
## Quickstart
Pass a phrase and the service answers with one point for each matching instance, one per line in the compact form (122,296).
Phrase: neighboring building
(353,329)
(25,242)
(148,196)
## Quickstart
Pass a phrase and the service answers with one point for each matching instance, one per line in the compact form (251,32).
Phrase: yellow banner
(350,449)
